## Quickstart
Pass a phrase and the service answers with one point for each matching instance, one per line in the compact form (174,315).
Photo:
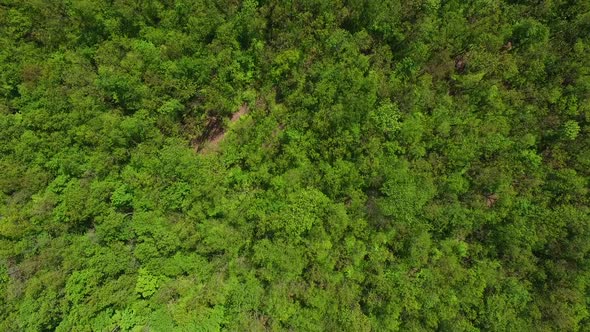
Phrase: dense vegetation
(403,165)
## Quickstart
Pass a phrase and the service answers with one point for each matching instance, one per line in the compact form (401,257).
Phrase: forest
(295,165)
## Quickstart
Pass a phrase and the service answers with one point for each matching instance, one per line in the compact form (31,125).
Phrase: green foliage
(386,118)
(571,129)
(530,32)
(147,284)
(199,165)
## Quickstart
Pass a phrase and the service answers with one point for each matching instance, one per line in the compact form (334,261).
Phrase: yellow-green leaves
(147,284)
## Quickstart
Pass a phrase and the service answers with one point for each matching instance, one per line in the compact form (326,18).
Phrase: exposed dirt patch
(491,200)
(215,132)
(237,115)
(460,64)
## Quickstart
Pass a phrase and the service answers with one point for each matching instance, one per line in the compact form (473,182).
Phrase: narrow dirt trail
(213,137)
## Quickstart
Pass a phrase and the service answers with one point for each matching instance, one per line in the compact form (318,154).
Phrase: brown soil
(237,115)
(460,64)
(215,132)
(491,200)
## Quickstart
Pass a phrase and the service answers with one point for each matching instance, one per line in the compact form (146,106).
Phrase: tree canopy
(309,165)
